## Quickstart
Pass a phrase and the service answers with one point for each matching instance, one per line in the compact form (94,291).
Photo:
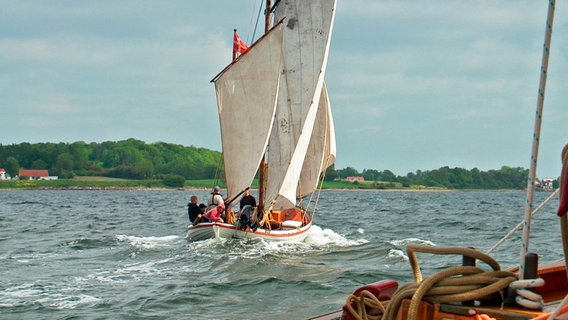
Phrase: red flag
(239,45)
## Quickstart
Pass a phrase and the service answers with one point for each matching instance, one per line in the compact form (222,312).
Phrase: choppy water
(123,255)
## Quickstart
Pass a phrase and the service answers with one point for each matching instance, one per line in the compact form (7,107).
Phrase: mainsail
(306,46)
(246,99)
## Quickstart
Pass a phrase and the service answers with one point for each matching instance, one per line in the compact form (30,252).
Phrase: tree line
(445,177)
(135,159)
(128,159)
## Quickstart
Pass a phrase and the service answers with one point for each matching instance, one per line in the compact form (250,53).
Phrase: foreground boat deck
(555,289)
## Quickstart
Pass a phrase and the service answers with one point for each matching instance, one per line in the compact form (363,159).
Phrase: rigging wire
(256,24)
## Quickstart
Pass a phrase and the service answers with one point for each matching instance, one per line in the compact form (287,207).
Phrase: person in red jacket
(214,215)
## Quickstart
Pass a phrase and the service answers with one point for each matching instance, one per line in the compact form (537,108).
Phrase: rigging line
(320,187)
(256,24)
(217,170)
(518,226)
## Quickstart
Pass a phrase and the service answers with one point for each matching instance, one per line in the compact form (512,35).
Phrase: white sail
(321,150)
(246,100)
(306,46)
(331,150)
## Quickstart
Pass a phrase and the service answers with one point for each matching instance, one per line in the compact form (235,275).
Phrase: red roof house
(352,179)
(34,174)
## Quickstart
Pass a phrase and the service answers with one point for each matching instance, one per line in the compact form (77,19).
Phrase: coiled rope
(457,284)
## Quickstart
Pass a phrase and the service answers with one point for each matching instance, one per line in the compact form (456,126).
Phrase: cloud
(413,84)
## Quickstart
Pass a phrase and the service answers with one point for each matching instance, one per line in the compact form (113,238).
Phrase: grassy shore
(104,183)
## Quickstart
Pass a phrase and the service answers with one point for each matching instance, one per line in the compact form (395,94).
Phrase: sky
(414,85)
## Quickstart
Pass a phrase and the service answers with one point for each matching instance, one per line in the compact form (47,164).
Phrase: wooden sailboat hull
(218,230)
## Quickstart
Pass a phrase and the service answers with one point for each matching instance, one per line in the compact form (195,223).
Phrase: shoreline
(110,188)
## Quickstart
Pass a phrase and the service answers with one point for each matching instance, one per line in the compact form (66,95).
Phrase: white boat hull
(218,230)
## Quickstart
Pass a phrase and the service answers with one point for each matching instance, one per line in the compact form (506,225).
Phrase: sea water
(78,254)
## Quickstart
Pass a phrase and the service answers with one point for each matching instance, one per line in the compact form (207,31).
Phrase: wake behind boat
(276,123)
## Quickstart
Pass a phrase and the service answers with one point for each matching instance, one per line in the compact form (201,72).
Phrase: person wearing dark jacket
(247,200)
(193,209)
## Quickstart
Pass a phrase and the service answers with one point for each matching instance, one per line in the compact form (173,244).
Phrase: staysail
(306,46)
(247,92)
(321,150)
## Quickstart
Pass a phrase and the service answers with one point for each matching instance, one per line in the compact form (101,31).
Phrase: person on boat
(201,216)
(193,209)
(215,199)
(247,200)
(214,215)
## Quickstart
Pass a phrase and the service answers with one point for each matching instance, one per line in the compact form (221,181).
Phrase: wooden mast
(234,51)
(262,173)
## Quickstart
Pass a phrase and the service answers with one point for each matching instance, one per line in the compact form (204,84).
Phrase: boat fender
(381,290)
(292,223)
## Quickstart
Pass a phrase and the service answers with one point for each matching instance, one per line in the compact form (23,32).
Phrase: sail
(321,150)
(306,46)
(247,92)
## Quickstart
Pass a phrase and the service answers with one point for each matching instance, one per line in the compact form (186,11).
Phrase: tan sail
(306,46)
(246,100)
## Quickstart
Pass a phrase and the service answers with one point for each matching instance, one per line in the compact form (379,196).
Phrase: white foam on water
(47,296)
(404,242)
(10,296)
(320,237)
(61,301)
(129,272)
(397,254)
(147,243)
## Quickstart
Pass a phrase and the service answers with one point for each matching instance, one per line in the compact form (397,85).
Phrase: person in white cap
(215,199)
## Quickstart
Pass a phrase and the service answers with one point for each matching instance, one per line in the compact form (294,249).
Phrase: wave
(149,243)
(317,240)
(44,296)
(404,242)
(324,237)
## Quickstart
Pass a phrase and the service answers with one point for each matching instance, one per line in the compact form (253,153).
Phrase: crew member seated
(246,218)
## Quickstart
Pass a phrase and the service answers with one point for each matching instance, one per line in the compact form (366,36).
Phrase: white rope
(525,297)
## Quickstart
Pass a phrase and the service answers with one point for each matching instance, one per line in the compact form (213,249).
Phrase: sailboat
(479,288)
(276,123)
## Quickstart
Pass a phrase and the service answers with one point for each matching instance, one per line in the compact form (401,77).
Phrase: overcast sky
(414,85)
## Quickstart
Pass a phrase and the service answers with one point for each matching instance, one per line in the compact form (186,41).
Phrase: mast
(536,138)
(234,51)
(262,173)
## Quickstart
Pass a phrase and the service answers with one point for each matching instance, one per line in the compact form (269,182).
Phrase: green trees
(446,177)
(135,159)
(129,159)
(12,166)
